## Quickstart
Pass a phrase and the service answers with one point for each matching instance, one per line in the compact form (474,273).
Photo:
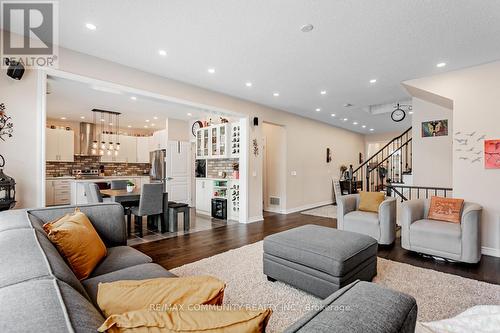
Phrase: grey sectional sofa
(40,293)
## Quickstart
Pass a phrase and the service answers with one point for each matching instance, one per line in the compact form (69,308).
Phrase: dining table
(122,195)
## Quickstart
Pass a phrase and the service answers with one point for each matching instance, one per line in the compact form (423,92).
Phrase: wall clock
(398,114)
(196,126)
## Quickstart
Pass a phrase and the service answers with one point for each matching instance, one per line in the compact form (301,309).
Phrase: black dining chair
(150,204)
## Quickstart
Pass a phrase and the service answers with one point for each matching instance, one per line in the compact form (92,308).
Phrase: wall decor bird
(463,158)
(471,134)
(482,137)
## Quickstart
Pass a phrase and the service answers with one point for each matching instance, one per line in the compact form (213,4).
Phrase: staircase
(388,165)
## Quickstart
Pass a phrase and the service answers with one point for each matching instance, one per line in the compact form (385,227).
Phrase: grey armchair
(381,225)
(455,241)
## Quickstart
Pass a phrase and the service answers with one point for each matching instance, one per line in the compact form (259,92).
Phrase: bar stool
(150,204)
(173,211)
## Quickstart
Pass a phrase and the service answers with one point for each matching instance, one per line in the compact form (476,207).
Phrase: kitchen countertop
(95,179)
(205,178)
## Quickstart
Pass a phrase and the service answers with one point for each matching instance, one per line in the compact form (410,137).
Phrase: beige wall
(476,108)
(432,156)
(306,139)
(375,142)
(274,140)
(178,130)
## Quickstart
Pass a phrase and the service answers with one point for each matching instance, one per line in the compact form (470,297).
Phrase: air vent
(274,201)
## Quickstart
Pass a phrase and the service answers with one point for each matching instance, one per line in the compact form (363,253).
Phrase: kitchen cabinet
(179,169)
(158,140)
(57,192)
(204,191)
(213,142)
(60,145)
(143,149)
(127,152)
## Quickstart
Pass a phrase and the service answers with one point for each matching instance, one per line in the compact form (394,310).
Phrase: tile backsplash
(54,169)
(216,165)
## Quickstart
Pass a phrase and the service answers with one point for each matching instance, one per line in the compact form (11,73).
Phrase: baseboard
(309,206)
(490,251)
(274,210)
(255,219)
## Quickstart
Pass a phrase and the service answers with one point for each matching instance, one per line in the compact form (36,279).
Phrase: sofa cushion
(445,209)
(329,250)
(46,305)
(27,254)
(362,222)
(14,219)
(436,235)
(120,257)
(361,307)
(138,272)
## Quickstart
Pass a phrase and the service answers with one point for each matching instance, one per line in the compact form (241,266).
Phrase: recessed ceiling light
(147,120)
(410,112)
(110,124)
(355,123)
(163,53)
(129,126)
(90,26)
(323,92)
(102,119)
(82,117)
(333,114)
(189,114)
(345,119)
(373,80)
(318,109)
(63,118)
(371,129)
(441,64)
(133,98)
(145,126)
(211,70)
(364,126)
(306,27)
(276,94)
(155,118)
(152,124)
(248,84)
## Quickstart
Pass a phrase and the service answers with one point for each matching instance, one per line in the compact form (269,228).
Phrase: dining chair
(119,184)
(150,204)
(92,193)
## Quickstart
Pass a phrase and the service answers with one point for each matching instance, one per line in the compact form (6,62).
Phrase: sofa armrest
(471,232)
(411,211)
(387,219)
(107,218)
(345,204)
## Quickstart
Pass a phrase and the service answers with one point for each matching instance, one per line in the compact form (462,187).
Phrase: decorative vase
(236,174)
(130,188)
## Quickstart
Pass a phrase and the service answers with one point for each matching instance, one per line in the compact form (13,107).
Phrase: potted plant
(130,186)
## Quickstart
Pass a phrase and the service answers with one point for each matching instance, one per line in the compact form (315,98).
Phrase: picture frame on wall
(492,154)
(435,128)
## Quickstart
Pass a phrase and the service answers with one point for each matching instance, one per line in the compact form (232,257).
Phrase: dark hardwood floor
(177,251)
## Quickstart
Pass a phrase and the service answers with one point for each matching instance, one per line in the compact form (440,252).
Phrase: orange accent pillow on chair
(445,209)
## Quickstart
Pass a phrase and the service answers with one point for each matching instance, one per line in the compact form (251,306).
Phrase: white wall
(21,152)
(476,108)
(432,156)
(375,142)
(306,139)
(178,130)
(274,138)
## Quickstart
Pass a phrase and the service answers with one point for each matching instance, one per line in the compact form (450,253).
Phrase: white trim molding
(490,251)
(309,206)
(255,219)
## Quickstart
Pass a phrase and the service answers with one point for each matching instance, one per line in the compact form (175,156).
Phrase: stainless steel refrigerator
(158,161)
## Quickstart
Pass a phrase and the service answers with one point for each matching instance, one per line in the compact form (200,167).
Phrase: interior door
(179,169)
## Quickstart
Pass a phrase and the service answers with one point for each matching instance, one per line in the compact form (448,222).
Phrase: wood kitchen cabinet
(204,192)
(57,192)
(60,145)
(158,140)
(143,149)
(127,152)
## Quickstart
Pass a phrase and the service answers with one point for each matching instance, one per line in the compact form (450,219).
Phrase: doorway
(274,168)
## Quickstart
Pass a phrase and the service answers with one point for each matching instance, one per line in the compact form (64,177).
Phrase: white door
(52,145)
(178,168)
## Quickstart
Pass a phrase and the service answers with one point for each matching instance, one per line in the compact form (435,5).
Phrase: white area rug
(323,211)
(438,295)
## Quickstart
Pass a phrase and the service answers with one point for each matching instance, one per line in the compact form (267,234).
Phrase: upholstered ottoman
(319,260)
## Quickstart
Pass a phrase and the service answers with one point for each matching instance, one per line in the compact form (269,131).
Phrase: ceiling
(260,41)
(71,100)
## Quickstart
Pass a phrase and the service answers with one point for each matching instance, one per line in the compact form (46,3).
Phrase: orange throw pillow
(445,209)
(370,201)
(77,241)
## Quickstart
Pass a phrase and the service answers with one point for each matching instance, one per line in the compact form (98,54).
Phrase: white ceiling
(353,41)
(72,100)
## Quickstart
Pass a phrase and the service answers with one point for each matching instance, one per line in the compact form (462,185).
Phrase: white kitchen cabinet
(204,191)
(158,140)
(57,192)
(127,152)
(179,169)
(202,142)
(60,145)
(143,149)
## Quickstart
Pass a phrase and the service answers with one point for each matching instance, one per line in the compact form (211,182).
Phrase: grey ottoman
(319,260)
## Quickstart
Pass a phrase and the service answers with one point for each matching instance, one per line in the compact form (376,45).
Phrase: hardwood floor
(177,251)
